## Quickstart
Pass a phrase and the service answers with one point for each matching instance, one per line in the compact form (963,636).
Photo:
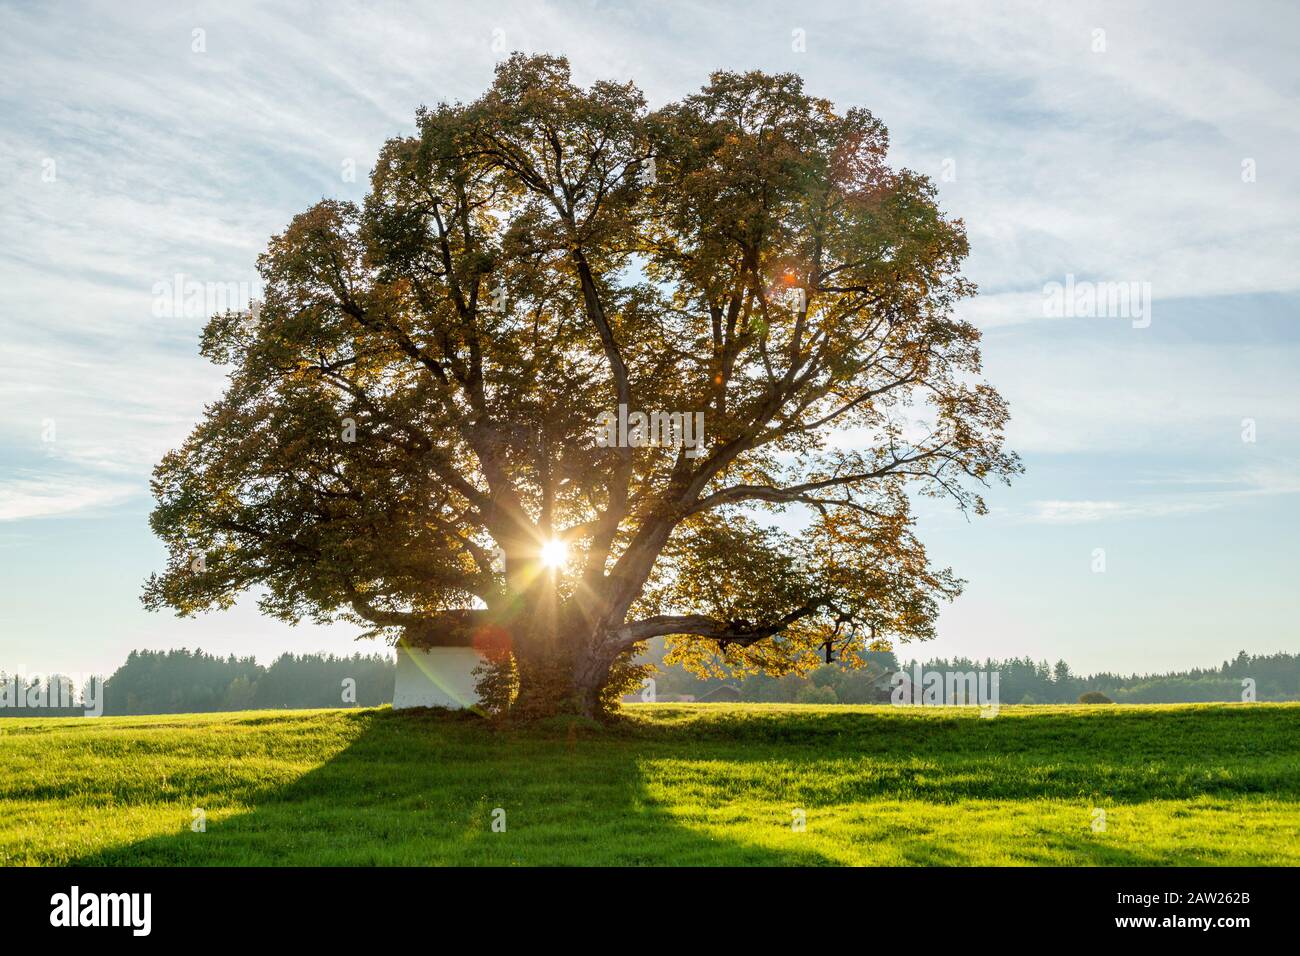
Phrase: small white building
(436,677)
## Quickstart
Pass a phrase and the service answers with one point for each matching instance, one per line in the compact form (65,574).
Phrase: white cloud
(1083,512)
(25,498)
(1215,491)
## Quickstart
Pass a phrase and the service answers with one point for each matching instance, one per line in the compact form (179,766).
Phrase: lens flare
(554,553)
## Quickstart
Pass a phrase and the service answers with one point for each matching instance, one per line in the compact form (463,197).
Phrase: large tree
(413,435)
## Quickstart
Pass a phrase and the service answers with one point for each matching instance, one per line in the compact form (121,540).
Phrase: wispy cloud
(25,498)
(1084,512)
(1212,492)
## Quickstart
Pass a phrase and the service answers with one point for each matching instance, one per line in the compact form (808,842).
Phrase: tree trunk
(561,666)
(590,675)
(567,677)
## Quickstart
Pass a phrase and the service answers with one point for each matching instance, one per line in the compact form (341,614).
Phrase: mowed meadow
(676,784)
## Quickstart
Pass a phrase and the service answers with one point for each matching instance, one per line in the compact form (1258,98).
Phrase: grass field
(676,784)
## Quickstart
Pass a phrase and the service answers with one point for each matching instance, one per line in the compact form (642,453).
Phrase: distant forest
(184,681)
(1020,681)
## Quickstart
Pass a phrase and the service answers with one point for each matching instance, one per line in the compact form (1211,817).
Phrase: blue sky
(129,156)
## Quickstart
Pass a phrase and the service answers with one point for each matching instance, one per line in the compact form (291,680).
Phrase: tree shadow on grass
(426,788)
(419,788)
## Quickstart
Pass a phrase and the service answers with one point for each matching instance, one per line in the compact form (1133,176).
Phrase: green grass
(676,784)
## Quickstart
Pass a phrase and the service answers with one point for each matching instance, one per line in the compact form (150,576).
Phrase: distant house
(885,684)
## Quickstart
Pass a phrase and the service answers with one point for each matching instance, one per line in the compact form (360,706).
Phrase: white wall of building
(436,677)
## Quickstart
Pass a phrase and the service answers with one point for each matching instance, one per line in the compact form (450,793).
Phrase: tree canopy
(411,434)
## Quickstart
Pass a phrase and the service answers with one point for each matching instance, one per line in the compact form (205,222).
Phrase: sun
(554,553)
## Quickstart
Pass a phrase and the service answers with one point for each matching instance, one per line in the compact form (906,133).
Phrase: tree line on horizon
(184,681)
(1020,681)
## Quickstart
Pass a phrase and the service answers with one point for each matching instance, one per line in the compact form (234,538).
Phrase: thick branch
(743,633)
